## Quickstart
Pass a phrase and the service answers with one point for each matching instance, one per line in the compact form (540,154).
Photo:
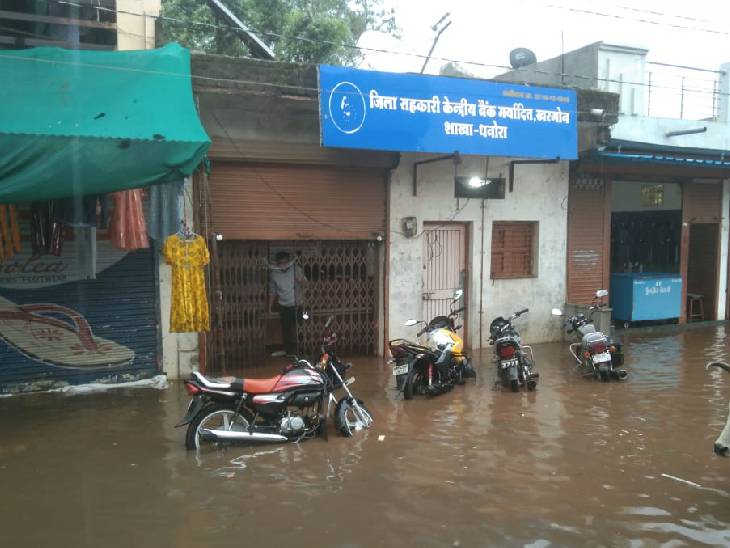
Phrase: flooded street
(578,463)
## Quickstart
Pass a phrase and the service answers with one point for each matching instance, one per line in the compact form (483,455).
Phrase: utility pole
(439,28)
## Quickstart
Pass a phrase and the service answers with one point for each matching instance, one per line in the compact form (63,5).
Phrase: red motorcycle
(287,407)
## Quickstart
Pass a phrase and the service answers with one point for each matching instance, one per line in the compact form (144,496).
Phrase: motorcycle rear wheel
(413,381)
(218,416)
(348,420)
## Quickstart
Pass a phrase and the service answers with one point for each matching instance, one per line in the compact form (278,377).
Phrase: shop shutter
(119,307)
(588,239)
(702,202)
(297,202)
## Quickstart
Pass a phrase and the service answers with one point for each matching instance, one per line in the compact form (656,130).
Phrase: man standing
(286,285)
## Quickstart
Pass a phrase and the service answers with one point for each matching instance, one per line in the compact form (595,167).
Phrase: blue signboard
(417,113)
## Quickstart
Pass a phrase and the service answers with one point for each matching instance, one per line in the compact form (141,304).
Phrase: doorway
(444,269)
(702,268)
(342,280)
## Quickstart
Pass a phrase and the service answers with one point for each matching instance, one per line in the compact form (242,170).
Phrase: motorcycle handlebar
(523,311)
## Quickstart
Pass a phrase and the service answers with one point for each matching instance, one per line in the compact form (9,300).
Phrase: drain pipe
(481,281)
(481,264)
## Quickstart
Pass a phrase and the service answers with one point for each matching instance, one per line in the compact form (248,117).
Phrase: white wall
(622,70)
(654,130)
(722,286)
(180,354)
(540,194)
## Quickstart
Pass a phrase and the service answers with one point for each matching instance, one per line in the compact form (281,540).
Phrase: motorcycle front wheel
(214,417)
(350,419)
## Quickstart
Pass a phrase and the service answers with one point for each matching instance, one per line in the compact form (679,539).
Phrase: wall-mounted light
(479,187)
(478,182)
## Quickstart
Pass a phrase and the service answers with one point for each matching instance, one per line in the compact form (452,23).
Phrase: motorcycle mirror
(305,316)
(601,293)
(409,323)
(458,293)
(557,312)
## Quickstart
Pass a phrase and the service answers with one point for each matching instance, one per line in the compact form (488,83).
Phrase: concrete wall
(577,68)
(136,31)
(722,288)
(622,70)
(654,130)
(180,351)
(136,23)
(540,194)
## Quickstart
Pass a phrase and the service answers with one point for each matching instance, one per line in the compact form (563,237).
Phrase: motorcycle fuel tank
(446,336)
(299,378)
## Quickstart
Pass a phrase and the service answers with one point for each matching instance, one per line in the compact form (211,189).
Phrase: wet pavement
(578,463)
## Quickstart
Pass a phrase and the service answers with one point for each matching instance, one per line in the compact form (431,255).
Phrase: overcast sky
(486,31)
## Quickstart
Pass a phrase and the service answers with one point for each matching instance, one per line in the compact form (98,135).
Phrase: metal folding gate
(343,280)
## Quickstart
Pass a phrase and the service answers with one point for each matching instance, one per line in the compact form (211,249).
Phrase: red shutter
(588,239)
(297,202)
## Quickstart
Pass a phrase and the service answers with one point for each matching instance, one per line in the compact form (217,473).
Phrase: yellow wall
(136,23)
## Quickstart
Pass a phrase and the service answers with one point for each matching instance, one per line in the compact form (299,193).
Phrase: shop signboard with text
(418,113)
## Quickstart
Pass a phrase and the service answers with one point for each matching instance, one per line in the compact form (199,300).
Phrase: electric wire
(367,49)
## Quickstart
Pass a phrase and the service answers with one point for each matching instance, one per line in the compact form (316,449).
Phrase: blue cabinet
(644,296)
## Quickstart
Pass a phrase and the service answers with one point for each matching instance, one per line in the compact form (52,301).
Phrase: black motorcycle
(515,362)
(419,370)
(597,354)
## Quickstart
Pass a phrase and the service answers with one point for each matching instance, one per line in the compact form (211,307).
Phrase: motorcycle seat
(260,386)
(235,384)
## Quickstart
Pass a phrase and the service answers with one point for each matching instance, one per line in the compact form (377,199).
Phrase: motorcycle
(435,367)
(596,354)
(290,406)
(350,413)
(515,361)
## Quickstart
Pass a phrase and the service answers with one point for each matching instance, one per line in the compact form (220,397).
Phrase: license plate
(508,363)
(400,369)
(602,357)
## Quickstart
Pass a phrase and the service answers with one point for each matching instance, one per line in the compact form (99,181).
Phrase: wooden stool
(695,307)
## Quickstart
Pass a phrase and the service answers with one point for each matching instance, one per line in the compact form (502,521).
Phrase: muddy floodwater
(578,463)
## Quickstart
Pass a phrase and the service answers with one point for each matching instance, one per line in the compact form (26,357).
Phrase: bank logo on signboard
(417,113)
(347,107)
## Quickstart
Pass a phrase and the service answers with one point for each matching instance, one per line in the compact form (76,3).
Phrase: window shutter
(513,249)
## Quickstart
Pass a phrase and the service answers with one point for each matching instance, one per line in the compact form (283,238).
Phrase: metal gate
(444,267)
(342,280)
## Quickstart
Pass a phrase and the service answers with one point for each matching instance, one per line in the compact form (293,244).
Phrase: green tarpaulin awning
(86,122)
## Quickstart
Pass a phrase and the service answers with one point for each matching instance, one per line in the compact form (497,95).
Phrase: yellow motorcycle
(436,365)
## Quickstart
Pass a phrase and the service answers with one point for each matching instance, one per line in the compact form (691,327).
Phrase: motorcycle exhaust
(233,435)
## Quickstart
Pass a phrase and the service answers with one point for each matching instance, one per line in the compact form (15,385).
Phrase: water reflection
(577,463)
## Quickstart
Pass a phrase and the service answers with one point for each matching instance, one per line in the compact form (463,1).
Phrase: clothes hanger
(185,232)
